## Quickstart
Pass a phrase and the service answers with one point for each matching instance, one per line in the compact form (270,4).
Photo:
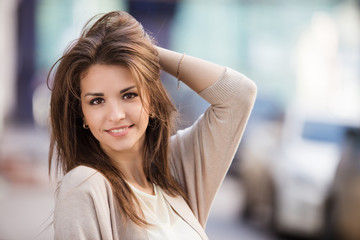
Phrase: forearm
(198,74)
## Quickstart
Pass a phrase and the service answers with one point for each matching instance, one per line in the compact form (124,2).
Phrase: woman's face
(113,109)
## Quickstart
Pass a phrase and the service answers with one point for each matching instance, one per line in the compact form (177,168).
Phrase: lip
(119,131)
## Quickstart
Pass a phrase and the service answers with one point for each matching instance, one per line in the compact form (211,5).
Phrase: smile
(119,131)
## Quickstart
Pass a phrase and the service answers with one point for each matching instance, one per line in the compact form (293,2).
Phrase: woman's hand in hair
(197,73)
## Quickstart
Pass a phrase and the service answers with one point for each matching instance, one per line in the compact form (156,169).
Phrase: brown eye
(128,96)
(96,101)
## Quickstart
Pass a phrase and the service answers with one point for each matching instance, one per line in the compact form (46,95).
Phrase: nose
(116,112)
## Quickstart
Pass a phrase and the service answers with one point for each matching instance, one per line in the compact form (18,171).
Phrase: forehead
(106,77)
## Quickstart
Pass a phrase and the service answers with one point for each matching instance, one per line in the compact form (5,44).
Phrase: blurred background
(297,171)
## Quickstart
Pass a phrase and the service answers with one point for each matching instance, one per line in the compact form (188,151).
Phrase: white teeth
(118,130)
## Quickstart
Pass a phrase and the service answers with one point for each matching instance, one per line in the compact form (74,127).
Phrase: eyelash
(126,96)
(95,101)
(132,95)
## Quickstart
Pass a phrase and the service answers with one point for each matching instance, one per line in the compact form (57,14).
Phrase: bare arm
(198,74)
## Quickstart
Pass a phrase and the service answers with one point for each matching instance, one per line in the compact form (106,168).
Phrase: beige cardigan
(199,155)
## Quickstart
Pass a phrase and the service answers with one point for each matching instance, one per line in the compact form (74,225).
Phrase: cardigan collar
(183,210)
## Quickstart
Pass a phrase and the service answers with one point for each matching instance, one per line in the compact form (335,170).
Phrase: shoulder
(82,206)
(82,179)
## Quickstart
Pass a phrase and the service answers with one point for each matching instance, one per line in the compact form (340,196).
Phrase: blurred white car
(287,169)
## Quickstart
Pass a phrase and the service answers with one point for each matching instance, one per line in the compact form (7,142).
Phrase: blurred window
(326,132)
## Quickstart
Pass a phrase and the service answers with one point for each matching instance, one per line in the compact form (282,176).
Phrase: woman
(126,177)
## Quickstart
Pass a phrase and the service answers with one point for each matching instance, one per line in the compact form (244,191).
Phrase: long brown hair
(116,38)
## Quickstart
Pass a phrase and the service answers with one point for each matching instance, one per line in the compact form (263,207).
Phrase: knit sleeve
(201,154)
(81,208)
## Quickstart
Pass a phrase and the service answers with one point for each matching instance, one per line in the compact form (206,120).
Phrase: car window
(326,132)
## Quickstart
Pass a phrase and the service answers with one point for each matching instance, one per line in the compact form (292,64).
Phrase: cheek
(85,114)
(140,117)
(91,118)
(145,118)
(144,115)
(83,109)
(95,127)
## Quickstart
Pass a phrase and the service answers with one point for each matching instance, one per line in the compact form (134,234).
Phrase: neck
(131,165)
(133,171)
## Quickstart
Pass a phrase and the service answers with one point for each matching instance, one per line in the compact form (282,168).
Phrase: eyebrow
(101,94)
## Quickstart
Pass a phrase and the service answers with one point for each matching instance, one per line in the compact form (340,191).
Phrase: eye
(96,101)
(128,96)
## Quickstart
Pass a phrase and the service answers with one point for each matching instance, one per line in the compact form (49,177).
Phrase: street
(224,222)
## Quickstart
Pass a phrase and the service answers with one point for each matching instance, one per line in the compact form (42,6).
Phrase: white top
(166,224)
